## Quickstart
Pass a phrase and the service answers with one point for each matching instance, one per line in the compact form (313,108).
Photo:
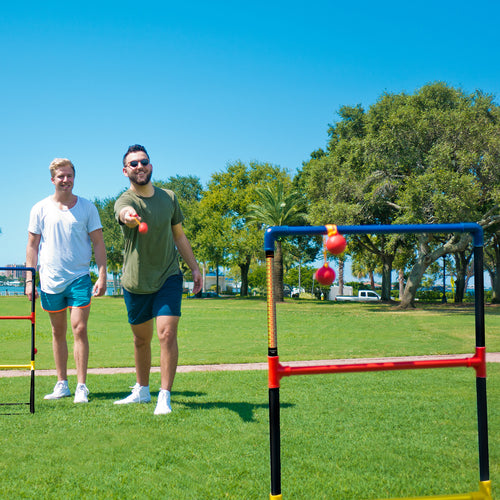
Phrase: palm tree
(275,207)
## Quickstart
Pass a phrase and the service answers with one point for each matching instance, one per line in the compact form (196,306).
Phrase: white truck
(363,296)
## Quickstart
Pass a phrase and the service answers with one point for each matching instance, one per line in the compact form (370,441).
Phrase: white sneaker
(81,394)
(140,394)
(163,406)
(61,390)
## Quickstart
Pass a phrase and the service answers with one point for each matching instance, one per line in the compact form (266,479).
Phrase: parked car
(363,296)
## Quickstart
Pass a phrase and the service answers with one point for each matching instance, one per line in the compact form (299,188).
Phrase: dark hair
(134,149)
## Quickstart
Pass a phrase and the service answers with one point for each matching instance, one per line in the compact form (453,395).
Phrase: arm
(32,260)
(184,247)
(100,258)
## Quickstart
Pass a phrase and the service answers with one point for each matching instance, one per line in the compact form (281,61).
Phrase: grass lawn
(235,331)
(351,436)
(344,436)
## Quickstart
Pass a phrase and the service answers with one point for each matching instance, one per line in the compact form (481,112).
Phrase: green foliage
(224,234)
(257,277)
(306,276)
(188,190)
(113,237)
(276,207)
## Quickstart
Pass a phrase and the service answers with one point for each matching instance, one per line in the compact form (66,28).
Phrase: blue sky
(204,84)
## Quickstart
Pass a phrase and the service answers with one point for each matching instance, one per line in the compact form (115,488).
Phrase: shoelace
(136,390)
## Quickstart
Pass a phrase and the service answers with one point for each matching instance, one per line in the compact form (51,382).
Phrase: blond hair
(58,163)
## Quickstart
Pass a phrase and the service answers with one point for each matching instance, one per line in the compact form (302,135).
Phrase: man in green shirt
(151,279)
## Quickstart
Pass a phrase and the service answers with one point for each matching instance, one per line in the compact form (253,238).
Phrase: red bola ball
(143,228)
(336,244)
(325,275)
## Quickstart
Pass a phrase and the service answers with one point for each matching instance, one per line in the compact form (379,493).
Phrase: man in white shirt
(61,229)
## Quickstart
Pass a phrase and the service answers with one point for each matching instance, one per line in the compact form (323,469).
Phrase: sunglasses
(135,163)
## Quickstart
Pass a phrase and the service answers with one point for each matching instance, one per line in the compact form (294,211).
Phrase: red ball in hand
(143,228)
(325,275)
(336,244)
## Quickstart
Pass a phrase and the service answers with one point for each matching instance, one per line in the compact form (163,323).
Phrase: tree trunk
(300,274)
(494,272)
(413,282)
(278,273)
(341,275)
(401,280)
(495,285)
(424,259)
(116,288)
(244,268)
(386,276)
(372,280)
(461,264)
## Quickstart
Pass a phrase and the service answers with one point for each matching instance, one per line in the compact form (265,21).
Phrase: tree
(277,207)
(410,160)
(226,199)
(344,189)
(212,241)
(188,190)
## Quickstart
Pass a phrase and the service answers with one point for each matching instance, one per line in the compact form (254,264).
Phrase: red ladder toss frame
(32,318)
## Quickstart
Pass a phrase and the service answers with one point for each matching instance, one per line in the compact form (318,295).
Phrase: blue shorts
(77,294)
(165,302)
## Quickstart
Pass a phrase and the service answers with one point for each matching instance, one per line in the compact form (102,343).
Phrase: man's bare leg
(169,350)
(79,319)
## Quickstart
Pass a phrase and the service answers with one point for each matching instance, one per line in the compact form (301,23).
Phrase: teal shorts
(77,294)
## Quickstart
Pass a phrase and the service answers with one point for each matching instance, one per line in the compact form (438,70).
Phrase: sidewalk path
(491,357)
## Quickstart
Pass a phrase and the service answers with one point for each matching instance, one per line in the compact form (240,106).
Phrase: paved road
(491,357)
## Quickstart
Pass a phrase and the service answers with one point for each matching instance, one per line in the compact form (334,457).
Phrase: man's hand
(100,287)
(197,281)
(129,217)
(29,291)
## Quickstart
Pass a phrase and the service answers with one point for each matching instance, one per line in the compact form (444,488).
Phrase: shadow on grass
(14,409)
(114,396)
(243,409)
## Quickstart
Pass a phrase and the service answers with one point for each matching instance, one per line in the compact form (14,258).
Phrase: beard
(133,176)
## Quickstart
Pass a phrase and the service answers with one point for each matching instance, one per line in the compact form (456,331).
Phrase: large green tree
(226,199)
(188,189)
(429,157)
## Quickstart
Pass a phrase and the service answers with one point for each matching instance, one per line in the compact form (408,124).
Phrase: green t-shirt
(150,258)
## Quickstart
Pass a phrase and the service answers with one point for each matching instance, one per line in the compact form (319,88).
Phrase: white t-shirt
(65,246)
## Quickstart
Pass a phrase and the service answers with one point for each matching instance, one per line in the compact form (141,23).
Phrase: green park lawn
(344,436)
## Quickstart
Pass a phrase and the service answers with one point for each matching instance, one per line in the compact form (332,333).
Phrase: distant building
(15,273)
